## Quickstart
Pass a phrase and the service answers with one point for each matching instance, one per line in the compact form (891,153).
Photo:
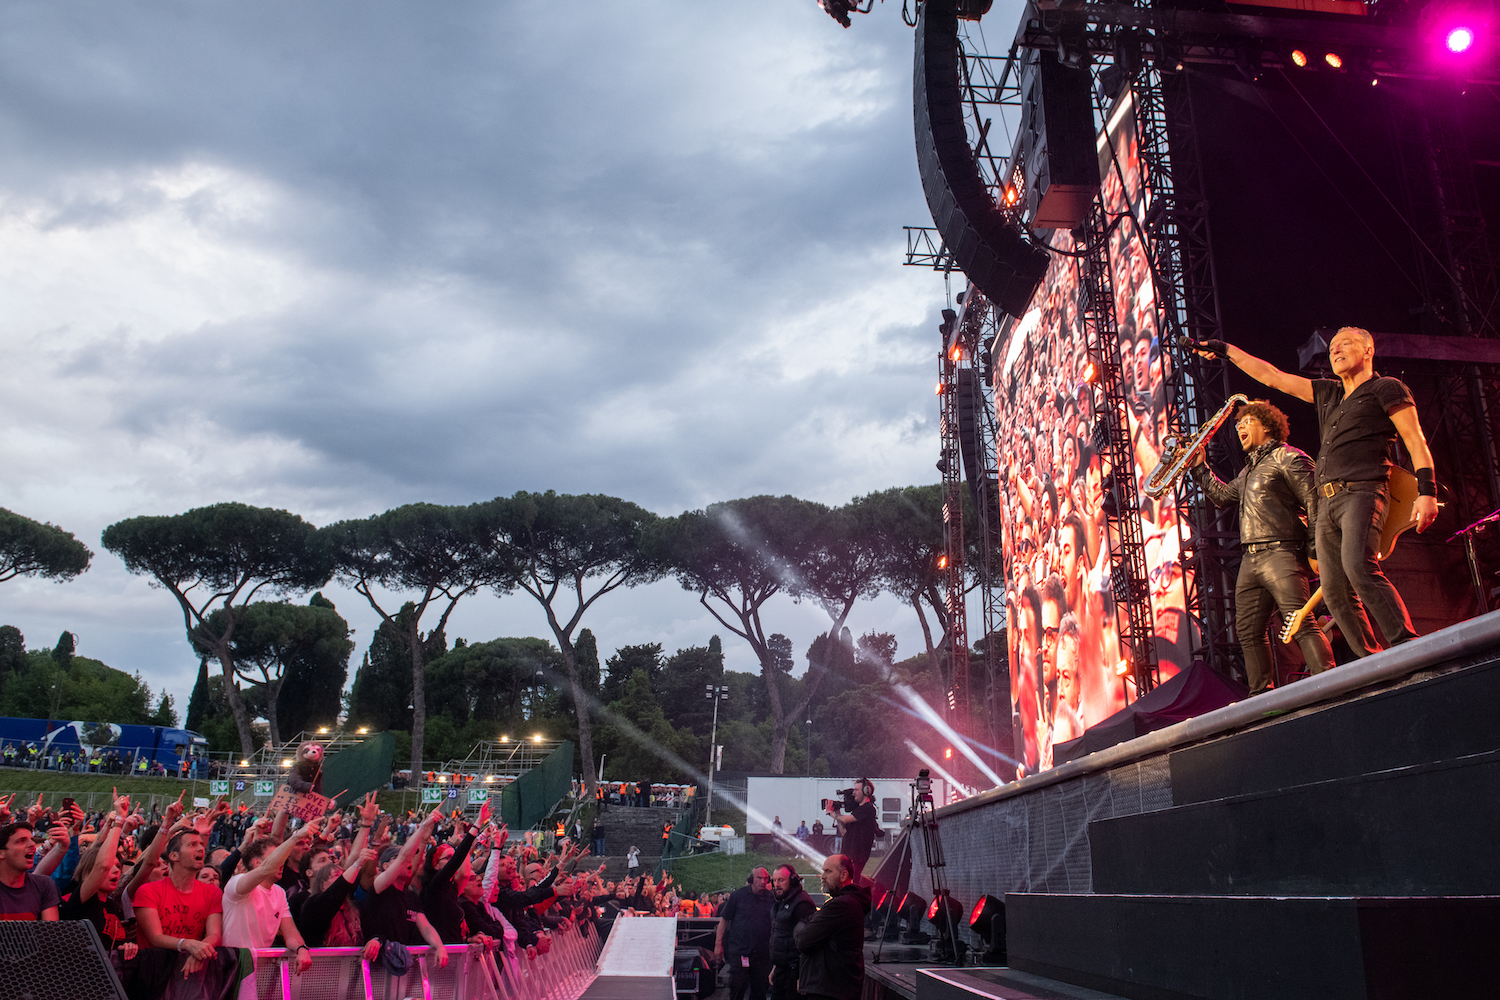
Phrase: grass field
(92,790)
(718,872)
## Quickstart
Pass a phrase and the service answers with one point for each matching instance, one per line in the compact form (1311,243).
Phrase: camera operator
(859,827)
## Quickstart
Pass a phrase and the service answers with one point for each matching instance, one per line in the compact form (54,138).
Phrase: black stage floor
(901,973)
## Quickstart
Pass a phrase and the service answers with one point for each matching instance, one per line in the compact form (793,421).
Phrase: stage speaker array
(55,960)
(992,251)
(1055,149)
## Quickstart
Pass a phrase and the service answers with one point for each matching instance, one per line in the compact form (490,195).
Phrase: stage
(1331,838)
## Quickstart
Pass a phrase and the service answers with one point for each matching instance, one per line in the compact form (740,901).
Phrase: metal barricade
(471,973)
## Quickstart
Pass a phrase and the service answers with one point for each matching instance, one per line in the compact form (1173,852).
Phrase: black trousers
(1349,525)
(752,980)
(1275,578)
(784,983)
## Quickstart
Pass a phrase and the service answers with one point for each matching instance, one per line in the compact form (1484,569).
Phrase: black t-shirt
(859,836)
(749,919)
(1357,432)
(105,914)
(384,915)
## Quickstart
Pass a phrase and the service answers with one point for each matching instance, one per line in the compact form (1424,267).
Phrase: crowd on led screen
(1064,623)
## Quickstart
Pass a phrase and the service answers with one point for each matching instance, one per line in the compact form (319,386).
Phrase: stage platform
(1333,838)
(924,980)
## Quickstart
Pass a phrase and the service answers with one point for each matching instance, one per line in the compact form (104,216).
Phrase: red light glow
(942,562)
(948,753)
(939,389)
(1460,39)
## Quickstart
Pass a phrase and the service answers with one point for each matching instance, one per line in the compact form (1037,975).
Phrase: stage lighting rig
(944,913)
(988,921)
(911,911)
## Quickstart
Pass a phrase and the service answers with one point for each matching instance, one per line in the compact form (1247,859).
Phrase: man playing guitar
(1360,415)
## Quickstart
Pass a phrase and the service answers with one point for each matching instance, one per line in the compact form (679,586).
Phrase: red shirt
(182,914)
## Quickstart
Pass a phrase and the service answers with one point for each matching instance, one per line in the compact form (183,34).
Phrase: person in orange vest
(666,832)
(599,797)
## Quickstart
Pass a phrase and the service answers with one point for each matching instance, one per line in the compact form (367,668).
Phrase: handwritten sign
(303,805)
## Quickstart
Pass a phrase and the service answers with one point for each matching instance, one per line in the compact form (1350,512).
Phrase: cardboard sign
(303,805)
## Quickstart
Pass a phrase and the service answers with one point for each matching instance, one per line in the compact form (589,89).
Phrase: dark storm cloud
(338,256)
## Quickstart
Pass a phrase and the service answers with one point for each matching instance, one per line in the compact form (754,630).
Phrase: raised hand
(122,802)
(34,811)
(369,809)
(174,810)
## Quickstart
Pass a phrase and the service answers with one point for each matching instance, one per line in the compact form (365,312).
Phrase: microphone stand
(1468,534)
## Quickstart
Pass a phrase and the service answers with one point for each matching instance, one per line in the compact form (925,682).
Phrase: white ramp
(639,946)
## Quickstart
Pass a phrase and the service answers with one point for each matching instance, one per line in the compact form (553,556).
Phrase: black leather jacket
(1272,490)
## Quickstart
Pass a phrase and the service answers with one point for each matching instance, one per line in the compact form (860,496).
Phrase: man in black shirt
(793,905)
(859,827)
(1360,415)
(1274,491)
(744,938)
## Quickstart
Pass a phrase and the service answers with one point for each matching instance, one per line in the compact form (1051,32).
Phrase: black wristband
(1426,485)
(1217,348)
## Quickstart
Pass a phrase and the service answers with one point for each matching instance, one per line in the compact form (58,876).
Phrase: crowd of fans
(177,892)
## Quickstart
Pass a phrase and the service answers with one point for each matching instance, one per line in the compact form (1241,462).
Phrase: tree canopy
(437,554)
(221,557)
(33,548)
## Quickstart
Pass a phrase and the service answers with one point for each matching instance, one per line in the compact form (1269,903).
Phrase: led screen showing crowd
(1064,623)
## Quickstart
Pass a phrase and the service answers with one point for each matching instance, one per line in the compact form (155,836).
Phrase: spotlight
(1090,371)
(945,913)
(911,910)
(1334,60)
(947,753)
(942,562)
(988,921)
(1299,58)
(363,730)
(537,738)
(287,762)
(505,739)
(1460,39)
(939,390)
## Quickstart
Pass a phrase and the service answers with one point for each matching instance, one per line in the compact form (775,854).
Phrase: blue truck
(162,745)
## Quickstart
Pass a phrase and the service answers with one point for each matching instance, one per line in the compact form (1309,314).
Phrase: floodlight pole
(717,693)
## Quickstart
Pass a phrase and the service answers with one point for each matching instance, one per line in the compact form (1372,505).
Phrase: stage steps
(1346,850)
(1258,947)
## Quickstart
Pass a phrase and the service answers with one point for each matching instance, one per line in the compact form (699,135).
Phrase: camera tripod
(946,947)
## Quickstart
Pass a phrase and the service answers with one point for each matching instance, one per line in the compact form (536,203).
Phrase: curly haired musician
(1360,415)
(1274,491)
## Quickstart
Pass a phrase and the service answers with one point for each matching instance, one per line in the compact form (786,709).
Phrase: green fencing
(526,801)
(361,768)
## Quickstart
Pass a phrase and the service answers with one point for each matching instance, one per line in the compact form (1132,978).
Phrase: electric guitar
(1402,496)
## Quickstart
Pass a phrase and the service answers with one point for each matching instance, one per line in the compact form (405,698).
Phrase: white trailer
(798,799)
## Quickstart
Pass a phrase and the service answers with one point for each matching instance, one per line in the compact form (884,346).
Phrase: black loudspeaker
(991,251)
(55,960)
(1055,147)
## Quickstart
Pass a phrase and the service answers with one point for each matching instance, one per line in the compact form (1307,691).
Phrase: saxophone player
(1277,498)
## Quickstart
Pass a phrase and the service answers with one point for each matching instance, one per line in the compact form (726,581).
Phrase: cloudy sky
(335,257)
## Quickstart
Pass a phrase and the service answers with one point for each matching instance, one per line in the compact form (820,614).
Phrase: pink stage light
(1460,39)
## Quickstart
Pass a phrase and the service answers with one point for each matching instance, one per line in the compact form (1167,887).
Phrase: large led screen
(1064,625)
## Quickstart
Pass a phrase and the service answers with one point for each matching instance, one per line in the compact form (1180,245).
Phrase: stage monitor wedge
(994,253)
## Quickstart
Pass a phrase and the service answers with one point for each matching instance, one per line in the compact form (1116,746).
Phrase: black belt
(1331,488)
(1255,547)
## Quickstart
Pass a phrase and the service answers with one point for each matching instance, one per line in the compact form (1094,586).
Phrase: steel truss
(953,534)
